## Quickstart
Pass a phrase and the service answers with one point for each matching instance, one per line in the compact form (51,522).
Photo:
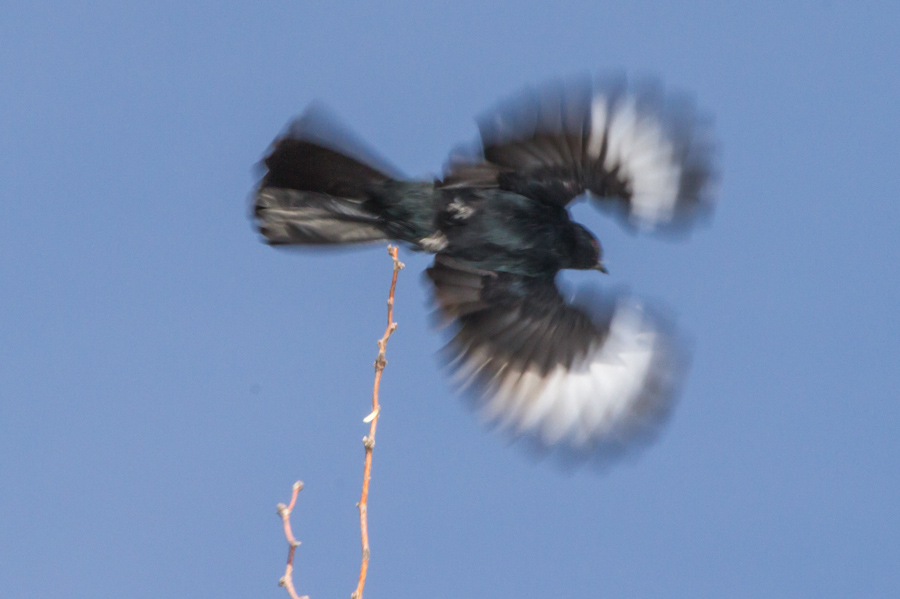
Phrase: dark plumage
(499,224)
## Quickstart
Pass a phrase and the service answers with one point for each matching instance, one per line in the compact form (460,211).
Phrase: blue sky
(165,377)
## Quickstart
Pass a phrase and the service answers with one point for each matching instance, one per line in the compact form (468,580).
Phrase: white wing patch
(620,388)
(637,144)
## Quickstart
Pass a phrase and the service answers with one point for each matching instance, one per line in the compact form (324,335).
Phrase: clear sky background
(165,377)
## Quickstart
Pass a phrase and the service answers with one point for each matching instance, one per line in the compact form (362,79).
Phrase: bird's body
(505,232)
(499,225)
(491,228)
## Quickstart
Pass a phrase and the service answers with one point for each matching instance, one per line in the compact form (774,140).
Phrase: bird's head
(588,253)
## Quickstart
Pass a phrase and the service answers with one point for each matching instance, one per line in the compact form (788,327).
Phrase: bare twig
(284,511)
(368,442)
(372,420)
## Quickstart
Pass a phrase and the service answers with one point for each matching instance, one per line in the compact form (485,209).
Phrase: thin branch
(372,420)
(284,511)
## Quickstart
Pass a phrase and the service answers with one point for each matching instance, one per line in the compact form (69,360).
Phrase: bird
(586,379)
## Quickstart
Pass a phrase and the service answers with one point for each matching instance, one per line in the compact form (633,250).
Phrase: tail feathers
(317,154)
(288,216)
(316,180)
(304,166)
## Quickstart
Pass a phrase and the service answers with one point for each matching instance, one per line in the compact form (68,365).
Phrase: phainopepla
(498,223)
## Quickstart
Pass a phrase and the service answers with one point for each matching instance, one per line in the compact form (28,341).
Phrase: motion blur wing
(547,369)
(639,152)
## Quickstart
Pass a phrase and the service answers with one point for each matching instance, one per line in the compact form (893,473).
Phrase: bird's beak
(601,268)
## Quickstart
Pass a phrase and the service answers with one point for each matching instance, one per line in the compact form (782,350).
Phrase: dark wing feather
(639,152)
(547,368)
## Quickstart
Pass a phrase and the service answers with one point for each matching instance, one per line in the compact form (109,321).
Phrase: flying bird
(569,376)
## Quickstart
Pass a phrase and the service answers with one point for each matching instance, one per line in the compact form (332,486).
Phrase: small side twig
(287,581)
(372,420)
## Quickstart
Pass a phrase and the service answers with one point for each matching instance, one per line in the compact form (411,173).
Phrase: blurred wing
(545,368)
(639,152)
